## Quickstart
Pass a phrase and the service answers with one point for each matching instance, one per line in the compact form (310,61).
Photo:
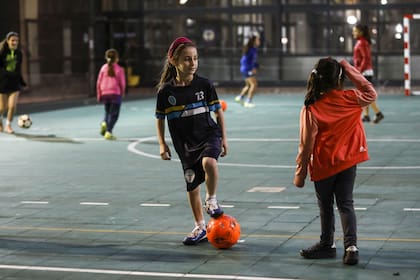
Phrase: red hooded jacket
(362,58)
(332,136)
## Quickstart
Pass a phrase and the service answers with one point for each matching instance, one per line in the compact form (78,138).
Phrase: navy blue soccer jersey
(187,110)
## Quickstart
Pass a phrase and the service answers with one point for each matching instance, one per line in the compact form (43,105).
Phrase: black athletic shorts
(194,173)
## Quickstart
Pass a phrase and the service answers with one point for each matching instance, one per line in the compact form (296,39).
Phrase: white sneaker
(239,99)
(249,104)
(213,208)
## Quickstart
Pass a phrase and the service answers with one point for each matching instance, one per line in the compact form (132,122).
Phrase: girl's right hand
(165,152)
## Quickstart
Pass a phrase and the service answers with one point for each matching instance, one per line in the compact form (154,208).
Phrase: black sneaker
(366,119)
(319,251)
(351,255)
(378,118)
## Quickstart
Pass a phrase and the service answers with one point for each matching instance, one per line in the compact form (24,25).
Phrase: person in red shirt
(332,143)
(362,59)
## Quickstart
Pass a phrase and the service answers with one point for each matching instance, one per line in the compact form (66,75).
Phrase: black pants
(112,112)
(341,186)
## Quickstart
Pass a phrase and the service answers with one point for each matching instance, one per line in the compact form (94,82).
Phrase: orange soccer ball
(223,104)
(223,232)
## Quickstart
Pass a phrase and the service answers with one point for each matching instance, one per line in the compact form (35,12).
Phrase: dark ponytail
(327,74)
(364,29)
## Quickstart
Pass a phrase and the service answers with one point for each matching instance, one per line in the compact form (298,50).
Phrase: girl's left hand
(224,149)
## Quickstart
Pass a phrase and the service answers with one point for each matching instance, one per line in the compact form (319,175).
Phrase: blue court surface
(75,206)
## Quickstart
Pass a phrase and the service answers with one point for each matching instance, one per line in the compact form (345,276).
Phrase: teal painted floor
(74,206)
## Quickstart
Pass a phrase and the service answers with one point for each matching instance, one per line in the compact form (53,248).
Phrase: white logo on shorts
(189,175)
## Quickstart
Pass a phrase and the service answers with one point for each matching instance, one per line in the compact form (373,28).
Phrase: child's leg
(194,198)
(375,107)
(344,198)
(325,195)
(245,88)
(113,114)
(212,176)
(252,87)
(366,111)
(12,104)
(3,108)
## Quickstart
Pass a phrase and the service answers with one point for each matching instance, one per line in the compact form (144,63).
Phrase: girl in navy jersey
(186,100)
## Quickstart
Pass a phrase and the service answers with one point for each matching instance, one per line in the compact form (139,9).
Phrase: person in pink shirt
(332,143)
(110,88)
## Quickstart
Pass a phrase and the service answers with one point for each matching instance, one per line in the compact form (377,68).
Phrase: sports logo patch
(189,175)
(172,100)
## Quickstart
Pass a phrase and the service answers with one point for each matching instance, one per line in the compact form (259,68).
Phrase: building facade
(65,40)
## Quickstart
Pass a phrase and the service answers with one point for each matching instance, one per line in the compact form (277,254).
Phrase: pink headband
(178,41)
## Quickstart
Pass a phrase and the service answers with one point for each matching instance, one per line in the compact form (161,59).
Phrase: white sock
(201,224)
(8,122)
(209,197)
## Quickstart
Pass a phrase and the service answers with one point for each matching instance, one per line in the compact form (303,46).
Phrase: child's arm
(221,121)
(365,92)
(122,82)
(308,132)
(98,86)
(164,150)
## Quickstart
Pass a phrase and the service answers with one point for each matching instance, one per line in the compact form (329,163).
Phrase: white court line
(412,209)
(227,206)
(357,208)
(132,148)
(155,204)
(94,203)
(137,273)
(283,207)
(34,202)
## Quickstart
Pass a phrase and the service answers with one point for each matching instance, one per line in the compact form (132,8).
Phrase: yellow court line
(243,235)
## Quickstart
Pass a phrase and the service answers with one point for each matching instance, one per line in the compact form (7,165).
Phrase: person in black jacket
(11,79)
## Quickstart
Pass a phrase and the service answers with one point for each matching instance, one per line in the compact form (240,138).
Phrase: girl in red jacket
(110,88)
(362,59)
(332,143)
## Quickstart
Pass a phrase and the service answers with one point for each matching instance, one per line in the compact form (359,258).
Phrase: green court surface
(75,206)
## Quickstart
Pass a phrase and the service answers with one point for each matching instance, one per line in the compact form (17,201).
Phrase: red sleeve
(308,132)
(365,91)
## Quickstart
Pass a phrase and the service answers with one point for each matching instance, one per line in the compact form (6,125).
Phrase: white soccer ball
(24,121)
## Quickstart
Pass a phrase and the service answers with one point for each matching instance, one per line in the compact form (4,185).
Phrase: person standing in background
(11,80)
(110,89)
(362,59)
(249,67)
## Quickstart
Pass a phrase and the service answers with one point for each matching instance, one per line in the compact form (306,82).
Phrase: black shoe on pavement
(378,118)
(319,251)
(351,255)
(366,119)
